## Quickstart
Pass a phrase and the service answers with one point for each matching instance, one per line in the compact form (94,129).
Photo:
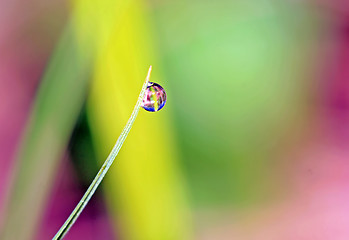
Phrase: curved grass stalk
(105,167)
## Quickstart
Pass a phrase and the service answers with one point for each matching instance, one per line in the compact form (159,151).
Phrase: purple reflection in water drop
(154,97)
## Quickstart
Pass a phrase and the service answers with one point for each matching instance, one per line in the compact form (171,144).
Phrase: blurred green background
(252,142)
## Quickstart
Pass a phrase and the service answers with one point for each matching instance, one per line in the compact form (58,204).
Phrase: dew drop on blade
(154,97)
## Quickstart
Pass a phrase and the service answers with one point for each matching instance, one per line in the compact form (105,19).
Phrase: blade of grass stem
(105,167)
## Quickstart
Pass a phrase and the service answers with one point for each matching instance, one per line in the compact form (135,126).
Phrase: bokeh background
(253,142)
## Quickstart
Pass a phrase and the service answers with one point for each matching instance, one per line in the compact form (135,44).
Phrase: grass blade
(105,167)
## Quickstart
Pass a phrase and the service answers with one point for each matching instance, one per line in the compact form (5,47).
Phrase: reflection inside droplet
(154,97)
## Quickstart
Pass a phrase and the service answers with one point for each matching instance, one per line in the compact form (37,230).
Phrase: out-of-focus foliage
(145,181)
(237,72)
(50,125)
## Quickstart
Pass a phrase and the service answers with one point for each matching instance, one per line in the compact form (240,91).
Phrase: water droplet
(154,97)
